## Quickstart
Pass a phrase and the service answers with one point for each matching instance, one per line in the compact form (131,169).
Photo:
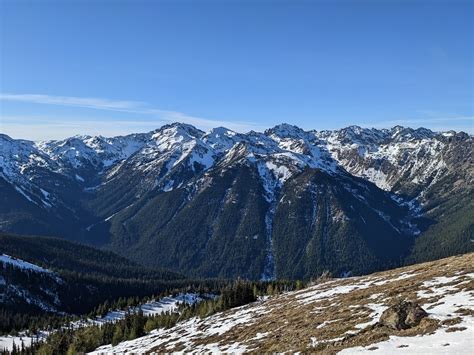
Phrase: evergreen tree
(118,335)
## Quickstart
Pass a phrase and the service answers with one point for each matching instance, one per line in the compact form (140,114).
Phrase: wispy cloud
(136,107)
(85,102)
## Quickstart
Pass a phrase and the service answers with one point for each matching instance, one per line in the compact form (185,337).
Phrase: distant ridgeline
(286,203)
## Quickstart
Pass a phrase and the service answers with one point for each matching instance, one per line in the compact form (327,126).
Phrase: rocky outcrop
(403,315)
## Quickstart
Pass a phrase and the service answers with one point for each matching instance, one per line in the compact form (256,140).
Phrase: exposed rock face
(402,315)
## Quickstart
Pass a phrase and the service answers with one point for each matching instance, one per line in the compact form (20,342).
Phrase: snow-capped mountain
(285,201)
(417,155)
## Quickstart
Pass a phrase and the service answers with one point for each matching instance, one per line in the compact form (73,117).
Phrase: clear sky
(115,67)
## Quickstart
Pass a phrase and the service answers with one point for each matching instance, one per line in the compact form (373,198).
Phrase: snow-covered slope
(386,156)
(150,308)
(336,315)
(21,264)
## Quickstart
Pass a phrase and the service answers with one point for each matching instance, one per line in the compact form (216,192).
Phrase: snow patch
(20,264)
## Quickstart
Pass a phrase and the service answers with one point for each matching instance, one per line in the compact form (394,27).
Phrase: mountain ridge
(126,193)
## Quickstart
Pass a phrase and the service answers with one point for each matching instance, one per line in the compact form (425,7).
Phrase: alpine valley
(285,203)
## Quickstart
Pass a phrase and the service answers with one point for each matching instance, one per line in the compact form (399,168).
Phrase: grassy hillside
(338,314)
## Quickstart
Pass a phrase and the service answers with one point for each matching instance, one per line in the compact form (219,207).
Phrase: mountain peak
(221,131)
(178,129)
(180,125)
(221,138)
(5,137)
(285,130)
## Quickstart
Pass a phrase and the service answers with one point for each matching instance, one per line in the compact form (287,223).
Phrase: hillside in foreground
(338,315)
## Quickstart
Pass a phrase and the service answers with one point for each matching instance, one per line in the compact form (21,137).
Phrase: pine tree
(150,325)
(270,290)
(118,335)
(71,350)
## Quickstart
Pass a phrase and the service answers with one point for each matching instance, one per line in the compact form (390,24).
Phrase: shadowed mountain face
(285,203)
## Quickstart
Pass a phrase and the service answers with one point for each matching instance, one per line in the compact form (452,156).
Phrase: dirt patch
(455,329)
(451,321)
(465,312)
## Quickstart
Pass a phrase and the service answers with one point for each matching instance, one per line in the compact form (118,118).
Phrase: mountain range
(285,203)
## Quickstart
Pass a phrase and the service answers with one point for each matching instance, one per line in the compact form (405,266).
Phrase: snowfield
(151,308)
(338,315)
(155,307)
(6,342)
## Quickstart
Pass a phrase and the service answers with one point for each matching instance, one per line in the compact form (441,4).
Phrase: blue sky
(115,67)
